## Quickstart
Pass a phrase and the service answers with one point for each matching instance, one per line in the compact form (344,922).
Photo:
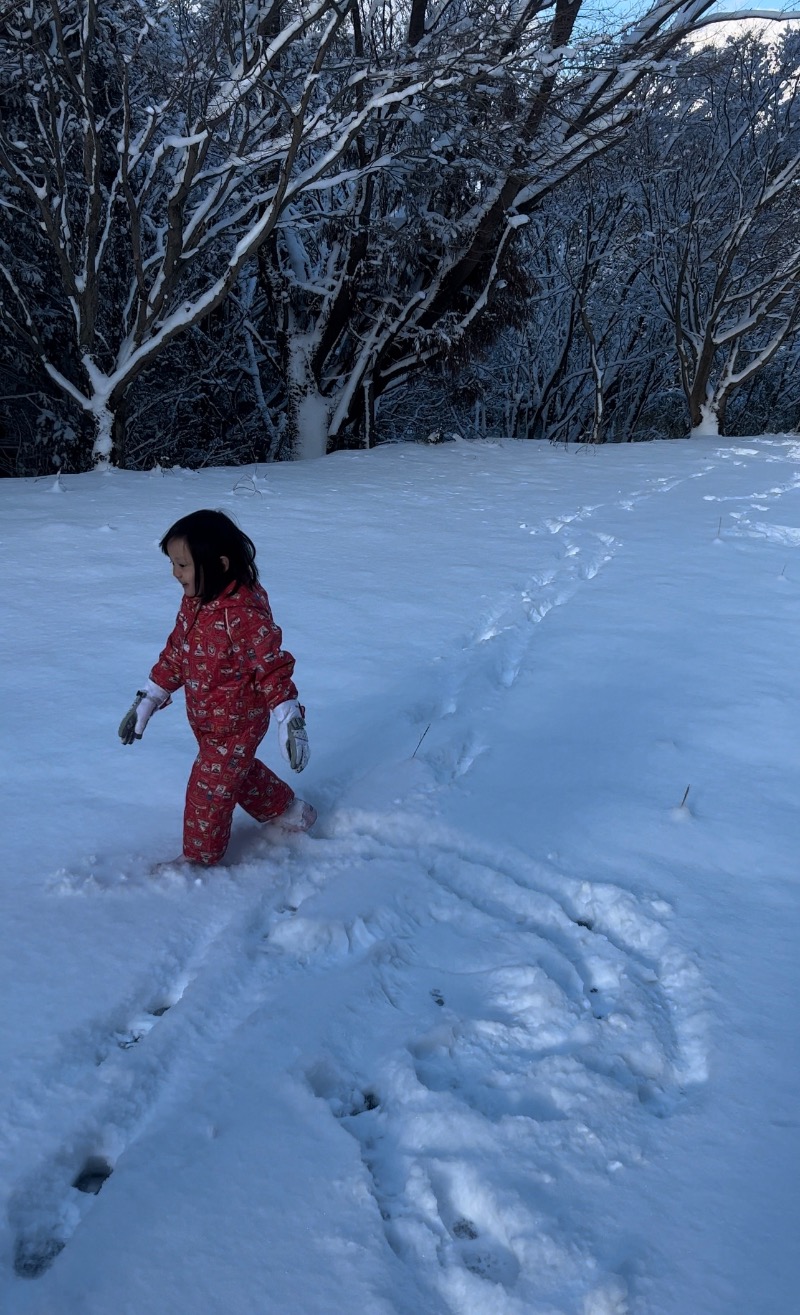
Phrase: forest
(238,231)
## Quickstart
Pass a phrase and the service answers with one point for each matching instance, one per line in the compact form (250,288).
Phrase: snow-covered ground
(515,1031)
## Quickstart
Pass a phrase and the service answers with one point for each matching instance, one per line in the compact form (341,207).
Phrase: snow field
(456,1052)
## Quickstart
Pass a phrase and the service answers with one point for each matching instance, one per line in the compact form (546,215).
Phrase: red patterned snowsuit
(227,654)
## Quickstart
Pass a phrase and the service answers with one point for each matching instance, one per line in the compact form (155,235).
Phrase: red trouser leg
(225,773)
(262,794)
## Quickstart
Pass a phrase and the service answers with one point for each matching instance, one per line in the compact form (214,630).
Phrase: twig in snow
(247,480)
(682,804)
(421,738)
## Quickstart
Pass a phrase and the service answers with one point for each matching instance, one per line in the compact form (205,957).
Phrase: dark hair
(211,535)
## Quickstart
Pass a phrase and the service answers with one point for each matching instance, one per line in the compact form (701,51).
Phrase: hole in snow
(34,1255)
(93,1174)
(465,1228)
(368,1101)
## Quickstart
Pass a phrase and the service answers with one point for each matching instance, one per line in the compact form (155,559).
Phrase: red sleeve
(273,666)
(168,670)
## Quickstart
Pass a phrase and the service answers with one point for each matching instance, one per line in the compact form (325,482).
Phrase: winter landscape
(513,1031)
(455,309)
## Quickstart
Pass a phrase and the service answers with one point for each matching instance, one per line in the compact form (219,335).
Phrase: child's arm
(168,670)
(273,672)
(272,665)
(165,678)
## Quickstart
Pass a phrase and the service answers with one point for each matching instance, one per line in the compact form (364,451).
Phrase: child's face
(182,565)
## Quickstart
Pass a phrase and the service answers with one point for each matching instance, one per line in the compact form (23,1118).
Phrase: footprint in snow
(140,1027)
(484,1257)
(47,1210)
(41,1240)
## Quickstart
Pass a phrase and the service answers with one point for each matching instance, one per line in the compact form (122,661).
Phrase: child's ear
(225,563)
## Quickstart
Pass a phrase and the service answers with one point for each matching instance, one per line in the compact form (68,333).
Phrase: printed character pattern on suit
(227,655)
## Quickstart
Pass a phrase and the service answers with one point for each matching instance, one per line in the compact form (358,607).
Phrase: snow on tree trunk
(103,437)
(308,412)
(708,424)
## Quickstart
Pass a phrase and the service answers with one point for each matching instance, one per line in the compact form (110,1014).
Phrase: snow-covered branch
(371,167)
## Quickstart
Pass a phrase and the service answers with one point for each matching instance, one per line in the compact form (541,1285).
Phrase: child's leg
(226,772)
(262,794)
(210,801)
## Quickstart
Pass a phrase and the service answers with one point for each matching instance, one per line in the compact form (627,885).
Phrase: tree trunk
(699,392)
(308,413)
(103,435)
(707,424)
(369,412)
(119,431)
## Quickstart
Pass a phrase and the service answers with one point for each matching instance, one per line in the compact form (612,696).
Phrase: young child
(225,650)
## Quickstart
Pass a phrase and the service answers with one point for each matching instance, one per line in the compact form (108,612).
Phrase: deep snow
(513,1032)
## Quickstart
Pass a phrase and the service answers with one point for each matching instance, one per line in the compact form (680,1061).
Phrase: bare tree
(355,174)
(151,155)
(588,354)
(394,267)
(718,187)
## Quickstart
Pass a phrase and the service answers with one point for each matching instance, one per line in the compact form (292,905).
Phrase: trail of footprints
(494,655)
(115,1073)
(507,631)
(48,1209)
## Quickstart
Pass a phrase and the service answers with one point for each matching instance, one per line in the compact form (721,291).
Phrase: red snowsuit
(227,654)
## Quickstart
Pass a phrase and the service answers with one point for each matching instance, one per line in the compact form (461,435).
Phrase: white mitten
(147,701)
(292,733)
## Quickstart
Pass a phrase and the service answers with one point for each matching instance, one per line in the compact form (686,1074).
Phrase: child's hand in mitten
(292,733)
(147,701)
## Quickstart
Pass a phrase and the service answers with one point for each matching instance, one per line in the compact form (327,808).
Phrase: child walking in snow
(225,650)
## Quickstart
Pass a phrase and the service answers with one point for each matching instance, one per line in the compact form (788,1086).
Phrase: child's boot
(298,817)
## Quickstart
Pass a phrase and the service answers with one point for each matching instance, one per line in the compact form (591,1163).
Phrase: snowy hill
(513,1031)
